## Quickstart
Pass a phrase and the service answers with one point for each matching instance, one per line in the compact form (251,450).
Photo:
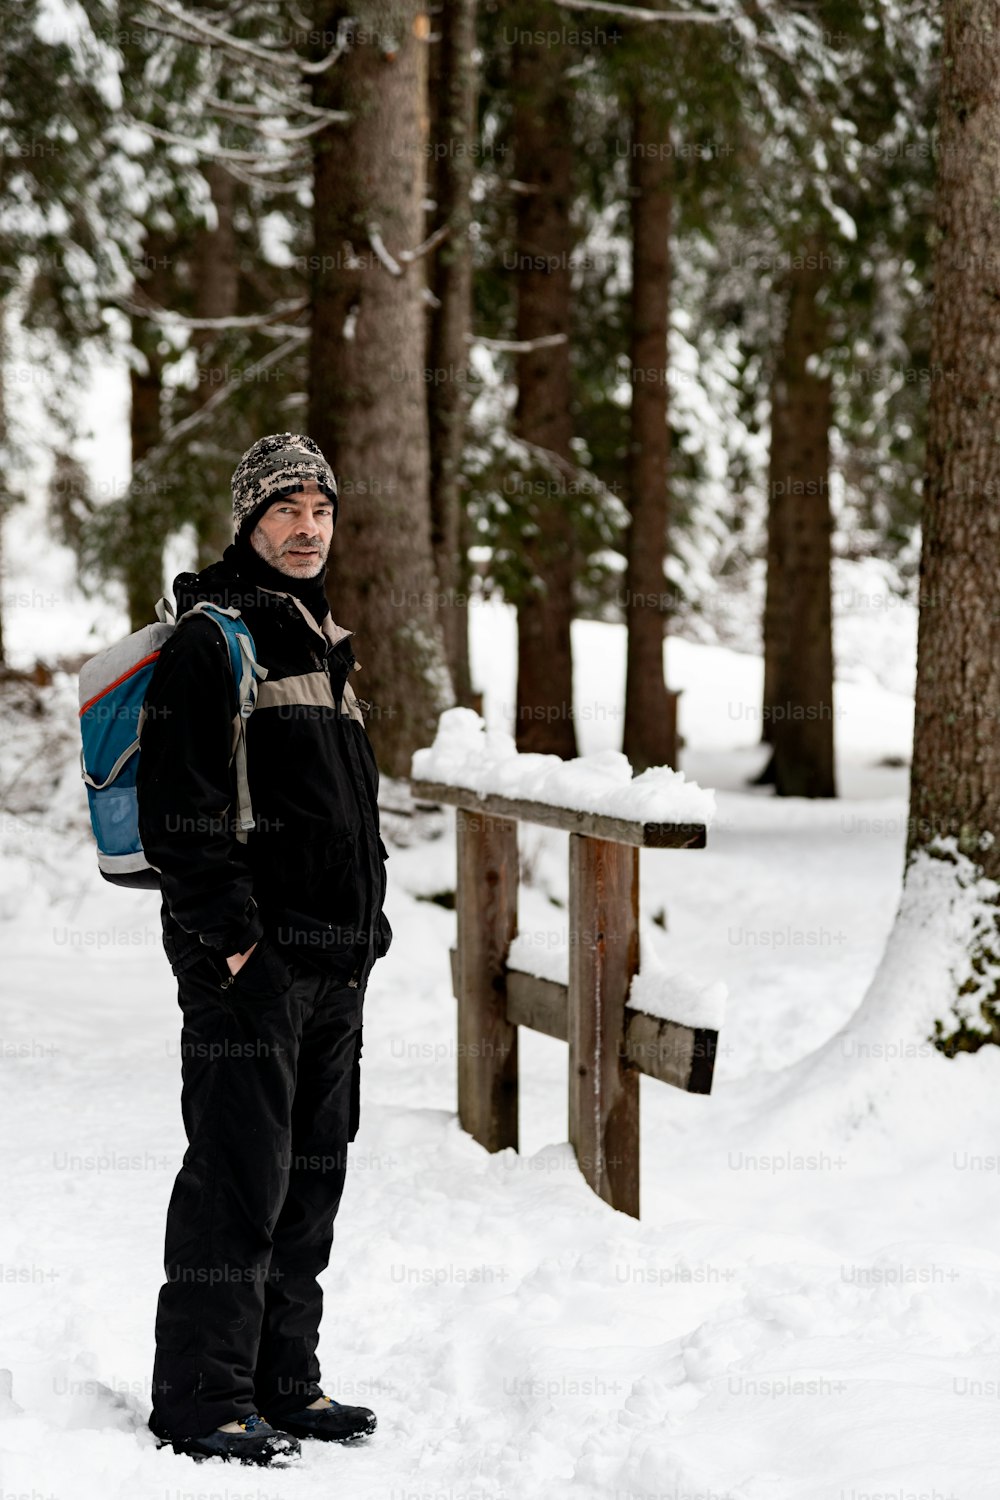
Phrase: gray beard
(275,557)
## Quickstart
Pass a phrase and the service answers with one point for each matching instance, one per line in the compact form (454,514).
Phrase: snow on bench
(595,792)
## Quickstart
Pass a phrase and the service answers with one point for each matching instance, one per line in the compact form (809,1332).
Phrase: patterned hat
(276,466)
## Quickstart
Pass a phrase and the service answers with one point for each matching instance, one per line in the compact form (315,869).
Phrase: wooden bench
(610,1042)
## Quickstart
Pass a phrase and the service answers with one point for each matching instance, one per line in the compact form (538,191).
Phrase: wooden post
(603,956)
(486,907)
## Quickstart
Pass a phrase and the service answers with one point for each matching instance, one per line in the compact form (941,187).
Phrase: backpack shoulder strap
(247,672)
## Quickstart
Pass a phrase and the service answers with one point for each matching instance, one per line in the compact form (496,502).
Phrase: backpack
(113,687)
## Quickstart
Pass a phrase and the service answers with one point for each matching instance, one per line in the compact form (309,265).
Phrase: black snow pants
(270,1095)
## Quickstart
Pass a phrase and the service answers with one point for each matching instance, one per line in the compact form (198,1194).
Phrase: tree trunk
(5,467)
(650,720)
(216,296)
(367,401)
(955,785)
(145,524)
(798,617)
(453,103)
(543,160)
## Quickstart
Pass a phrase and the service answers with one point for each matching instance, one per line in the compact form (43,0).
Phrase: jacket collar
(217,584)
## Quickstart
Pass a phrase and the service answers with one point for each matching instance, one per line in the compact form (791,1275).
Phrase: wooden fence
(610,1042)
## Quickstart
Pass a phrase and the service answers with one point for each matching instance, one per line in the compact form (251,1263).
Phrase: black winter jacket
(310,878)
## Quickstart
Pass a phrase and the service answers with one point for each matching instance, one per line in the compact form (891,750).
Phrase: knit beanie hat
(276,466)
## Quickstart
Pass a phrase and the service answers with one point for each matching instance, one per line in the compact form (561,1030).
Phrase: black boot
(255,1443)
(332,1423)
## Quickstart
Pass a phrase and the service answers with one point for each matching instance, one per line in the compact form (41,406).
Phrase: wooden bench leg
(603,956)
(486,908)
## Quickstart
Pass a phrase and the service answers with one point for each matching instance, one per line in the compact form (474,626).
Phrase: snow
(466,754)
(544,955)
(808,1308)
(670,995)
(679,997)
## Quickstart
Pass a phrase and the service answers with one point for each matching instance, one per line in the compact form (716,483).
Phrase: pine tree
(58,211)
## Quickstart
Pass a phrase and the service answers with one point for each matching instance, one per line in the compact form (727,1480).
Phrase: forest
(657,364)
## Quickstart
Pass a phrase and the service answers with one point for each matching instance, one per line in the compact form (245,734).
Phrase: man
(272,941)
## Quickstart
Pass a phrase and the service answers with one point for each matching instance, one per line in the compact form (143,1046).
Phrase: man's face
(294,534)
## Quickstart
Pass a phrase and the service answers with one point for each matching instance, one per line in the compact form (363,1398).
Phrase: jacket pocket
(330,949)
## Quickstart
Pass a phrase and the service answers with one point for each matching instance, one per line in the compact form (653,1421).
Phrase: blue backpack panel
(113,687)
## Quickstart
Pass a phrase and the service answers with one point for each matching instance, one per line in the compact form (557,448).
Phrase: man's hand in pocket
(237,960)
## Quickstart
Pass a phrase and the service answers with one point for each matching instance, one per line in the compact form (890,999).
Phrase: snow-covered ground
(808,1308)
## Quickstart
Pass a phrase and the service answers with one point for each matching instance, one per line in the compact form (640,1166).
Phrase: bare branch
(382,253)
(263,186)
(291,330)
(299,105)
(161,29)
(259,163)
(517,346)
(430,243)
(181,429)
(254,112)
(639,13)
(202,32)
(205,31)
(301,132)
(305,23)
(564,468)
(407,257)
(340,46)
(262,322)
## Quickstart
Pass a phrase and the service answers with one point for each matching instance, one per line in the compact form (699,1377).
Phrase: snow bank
(881,1073)
(466,754)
